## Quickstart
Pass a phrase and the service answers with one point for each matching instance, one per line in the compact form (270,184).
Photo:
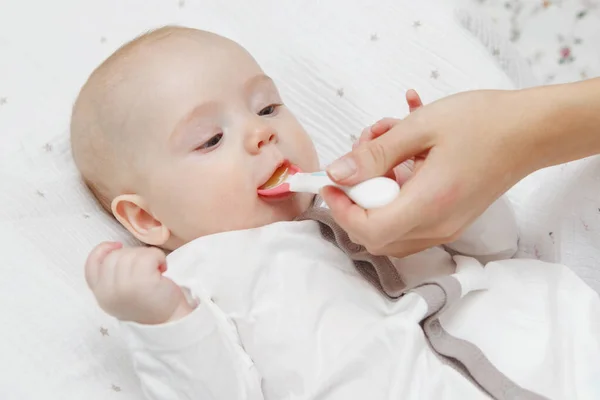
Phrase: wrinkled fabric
(284,314)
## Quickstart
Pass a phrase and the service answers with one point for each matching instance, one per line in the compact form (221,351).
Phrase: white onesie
(284,314)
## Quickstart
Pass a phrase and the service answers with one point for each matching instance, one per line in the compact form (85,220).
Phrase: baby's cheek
(306,153)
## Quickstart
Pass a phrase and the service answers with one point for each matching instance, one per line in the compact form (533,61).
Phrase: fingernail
(342,168)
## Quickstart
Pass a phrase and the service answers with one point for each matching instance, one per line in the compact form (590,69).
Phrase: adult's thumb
(378,156)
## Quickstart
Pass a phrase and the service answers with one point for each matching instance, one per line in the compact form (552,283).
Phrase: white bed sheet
(340,65)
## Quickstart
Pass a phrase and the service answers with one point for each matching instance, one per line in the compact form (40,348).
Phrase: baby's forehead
(192,58)
(170,76)
(196,46)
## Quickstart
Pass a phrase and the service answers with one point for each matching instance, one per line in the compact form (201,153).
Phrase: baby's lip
(278,175)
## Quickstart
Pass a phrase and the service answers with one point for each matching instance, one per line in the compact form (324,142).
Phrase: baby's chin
(267,213)
(286,208)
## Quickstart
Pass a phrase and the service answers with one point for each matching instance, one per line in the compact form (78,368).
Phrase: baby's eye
(212,142)
(268,110)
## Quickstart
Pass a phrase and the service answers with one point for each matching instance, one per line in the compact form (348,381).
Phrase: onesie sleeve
(197,357)
(493,236)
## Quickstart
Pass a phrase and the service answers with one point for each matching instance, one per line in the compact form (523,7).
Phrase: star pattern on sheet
(40,193)
(115,388)
(374,37)
(104,331)
(417,24)
(435,74)
(340,92)
(515,34)
(86,216)
(581,14)
(353,137)
(3,101)
(48,147)
(181,3)
(103,39)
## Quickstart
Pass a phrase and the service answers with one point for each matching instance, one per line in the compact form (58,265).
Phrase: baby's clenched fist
(129,284)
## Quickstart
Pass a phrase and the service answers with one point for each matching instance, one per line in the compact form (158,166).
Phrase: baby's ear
(131,211)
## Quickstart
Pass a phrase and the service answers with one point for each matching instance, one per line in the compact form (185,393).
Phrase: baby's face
(212,129)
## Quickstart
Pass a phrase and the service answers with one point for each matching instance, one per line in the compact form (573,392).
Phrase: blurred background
(560,38)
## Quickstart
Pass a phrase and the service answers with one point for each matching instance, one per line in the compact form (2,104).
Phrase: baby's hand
(129,285)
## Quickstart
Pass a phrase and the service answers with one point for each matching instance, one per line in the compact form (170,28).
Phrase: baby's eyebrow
(248,87)
(257,80)
(194,112)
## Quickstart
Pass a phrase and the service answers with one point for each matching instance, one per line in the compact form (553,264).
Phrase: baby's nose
(259,136)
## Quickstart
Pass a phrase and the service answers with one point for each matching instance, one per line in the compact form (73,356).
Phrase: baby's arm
(493,236)
(197,357)
(179,351)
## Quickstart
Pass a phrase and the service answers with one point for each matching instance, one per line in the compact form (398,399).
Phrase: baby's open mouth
(278,177)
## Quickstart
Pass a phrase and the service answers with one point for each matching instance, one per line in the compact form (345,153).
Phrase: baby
(173,134)
(265,298)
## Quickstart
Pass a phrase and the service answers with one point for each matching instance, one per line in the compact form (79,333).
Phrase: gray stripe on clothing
(441,294)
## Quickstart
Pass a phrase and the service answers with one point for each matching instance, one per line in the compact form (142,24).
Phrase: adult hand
(472,147)
(404,171)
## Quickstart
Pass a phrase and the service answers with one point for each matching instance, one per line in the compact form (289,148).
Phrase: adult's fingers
(385,124)
(407,169)
(373,228)
(419,160)
(354,220)
(404,175)
(344,211)
(380,155)
(369,134)
(382,126)
(364,136)
(403,248)
(413,99)
(433,192)
(402,172)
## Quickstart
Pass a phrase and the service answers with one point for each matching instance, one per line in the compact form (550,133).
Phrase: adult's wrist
(564,123)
